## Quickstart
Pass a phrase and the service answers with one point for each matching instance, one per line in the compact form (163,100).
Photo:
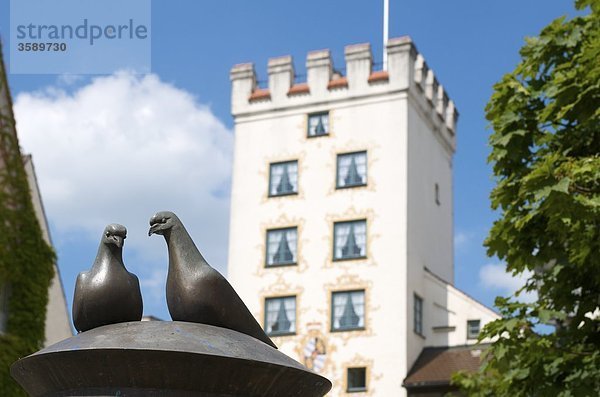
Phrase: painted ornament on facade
(315,353)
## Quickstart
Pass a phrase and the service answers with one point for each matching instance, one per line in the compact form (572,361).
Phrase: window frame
(356,389)
(332,310)
(337,169)
(469,334)
(280,229)
(418,330)
(308,117)
(365,256)
(283,297)
(271,176)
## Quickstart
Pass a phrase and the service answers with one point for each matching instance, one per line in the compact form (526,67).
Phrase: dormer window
(351,169)
(283,179)
(318,124)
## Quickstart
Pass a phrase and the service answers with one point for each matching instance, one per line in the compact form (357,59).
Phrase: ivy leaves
(26,261)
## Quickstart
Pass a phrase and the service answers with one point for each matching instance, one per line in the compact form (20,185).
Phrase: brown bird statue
(196,292)
(107,293)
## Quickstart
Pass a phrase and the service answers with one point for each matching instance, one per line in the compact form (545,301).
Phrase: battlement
(406,70)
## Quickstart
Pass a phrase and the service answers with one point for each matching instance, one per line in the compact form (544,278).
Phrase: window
(280,316)
(357,379)
(318,124)
(350,240)
(283,178)
(418,314)
(351,169)
(473,329)
(281,246)
(3,306)
(348,310)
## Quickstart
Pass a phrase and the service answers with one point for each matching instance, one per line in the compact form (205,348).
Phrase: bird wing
(78,304)
(137,293)
(237,316)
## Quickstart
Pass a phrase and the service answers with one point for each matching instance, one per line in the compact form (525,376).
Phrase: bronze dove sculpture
(107,293)
(196,292)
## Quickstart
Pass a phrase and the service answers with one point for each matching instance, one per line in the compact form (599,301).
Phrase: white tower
(341,214)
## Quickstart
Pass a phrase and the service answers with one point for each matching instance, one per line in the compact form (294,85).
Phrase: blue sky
(469,45)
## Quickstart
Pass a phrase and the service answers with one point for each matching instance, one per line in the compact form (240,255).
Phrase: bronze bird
(196,292)
(107,293)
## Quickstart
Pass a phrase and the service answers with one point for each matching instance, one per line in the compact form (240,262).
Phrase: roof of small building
(435,365)
(151,318)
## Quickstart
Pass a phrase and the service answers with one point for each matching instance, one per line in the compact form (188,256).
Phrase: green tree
(545,154)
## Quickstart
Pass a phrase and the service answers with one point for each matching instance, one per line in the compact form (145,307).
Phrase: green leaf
(545,156)
(562,186)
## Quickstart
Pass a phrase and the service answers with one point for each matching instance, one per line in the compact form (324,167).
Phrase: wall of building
(315,208)
(25,302)
(447,310)
(58,322)
(57,325)
(430,203)
(384,113)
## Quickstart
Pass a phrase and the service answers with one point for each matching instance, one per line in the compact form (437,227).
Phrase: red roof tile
(380,75)
(260,94)
(340,82)
(299,89)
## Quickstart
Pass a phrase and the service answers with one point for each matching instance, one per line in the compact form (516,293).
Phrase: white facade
(401,126)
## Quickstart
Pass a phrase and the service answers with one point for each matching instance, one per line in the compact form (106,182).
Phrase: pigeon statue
(196,292)
(107,293)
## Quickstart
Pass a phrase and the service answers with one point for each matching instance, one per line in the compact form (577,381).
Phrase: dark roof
(151,318)
(435,365)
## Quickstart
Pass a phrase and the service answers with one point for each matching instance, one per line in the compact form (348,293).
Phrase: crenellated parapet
(406,71)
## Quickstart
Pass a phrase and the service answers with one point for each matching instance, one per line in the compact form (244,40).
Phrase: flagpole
(386,12)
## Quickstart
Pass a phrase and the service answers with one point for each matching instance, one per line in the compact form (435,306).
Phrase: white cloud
(461,239)
(154,285)
(69,79)
(494,276)
(121,148)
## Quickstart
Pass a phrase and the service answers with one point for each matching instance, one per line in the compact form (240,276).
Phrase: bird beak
(153,229)
(118,241)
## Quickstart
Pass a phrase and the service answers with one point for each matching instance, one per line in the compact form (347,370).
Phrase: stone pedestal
(160,358)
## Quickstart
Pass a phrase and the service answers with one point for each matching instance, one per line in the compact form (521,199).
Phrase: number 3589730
(42,46)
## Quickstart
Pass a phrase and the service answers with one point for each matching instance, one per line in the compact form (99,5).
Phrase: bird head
(114,234)
(161,222)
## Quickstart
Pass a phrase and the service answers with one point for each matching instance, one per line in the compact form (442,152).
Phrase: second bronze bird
(196,292)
